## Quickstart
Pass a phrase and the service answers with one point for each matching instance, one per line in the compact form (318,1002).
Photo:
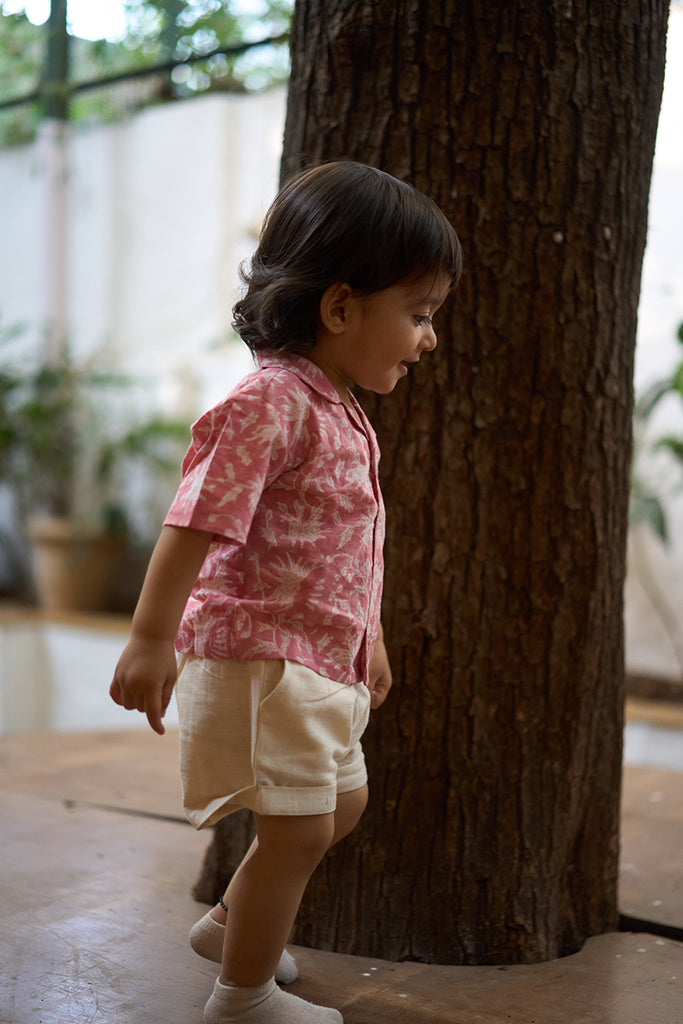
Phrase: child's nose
(428,341)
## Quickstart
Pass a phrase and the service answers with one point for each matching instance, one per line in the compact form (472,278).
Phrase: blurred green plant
(186,29)
(188,32)
(21,58)
(646,504)
(66,449)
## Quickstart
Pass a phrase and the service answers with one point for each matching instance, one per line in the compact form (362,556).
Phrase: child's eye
(424,321)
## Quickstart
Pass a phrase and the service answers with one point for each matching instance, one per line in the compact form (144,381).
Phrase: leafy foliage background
(186,38)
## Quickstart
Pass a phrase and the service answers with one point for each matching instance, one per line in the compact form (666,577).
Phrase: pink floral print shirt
(284,474)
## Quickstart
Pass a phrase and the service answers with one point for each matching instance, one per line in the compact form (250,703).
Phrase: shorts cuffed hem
(271,800)
(295,801)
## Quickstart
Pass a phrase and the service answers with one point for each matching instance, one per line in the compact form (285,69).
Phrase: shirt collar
(306,370)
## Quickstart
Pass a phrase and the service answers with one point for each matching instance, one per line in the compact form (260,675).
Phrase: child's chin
(384,387)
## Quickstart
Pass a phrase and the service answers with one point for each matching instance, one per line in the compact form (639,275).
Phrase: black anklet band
(220,900)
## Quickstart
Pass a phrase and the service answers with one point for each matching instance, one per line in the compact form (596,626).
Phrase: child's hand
(144,678)
(146,672)
(380,675)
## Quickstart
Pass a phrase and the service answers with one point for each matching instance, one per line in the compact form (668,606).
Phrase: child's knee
(299,841)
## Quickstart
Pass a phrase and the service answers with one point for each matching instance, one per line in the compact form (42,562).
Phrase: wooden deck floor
(97,866)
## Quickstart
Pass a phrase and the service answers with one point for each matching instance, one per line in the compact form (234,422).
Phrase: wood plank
(95,918)
(615,979)
(131,769)
(95,908)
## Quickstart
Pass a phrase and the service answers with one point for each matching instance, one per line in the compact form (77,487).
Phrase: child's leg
(218,913)
(349,810)
(207,936)
(265,893)
(264,897)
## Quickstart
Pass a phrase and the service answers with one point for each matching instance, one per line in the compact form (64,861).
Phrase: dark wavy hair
(339,222)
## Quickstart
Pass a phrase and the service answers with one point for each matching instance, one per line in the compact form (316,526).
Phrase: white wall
(161,208)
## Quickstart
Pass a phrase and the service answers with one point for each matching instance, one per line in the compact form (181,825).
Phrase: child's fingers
(121,695)
(154,713)
(380,689)
(115,692)
(156,705)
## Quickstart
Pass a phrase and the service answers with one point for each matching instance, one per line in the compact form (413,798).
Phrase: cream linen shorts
(272,736)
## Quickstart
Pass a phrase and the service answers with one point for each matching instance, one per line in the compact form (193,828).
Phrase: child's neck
(336,379)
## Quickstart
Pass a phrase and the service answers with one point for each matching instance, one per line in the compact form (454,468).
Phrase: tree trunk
(492,831)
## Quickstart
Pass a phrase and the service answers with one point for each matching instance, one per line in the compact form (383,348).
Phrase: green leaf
(650,398)
(647,508)
(671,444)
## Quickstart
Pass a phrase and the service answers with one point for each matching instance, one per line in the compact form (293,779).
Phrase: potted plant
(70,437)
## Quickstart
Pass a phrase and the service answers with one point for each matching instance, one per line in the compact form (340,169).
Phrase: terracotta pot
(74,568)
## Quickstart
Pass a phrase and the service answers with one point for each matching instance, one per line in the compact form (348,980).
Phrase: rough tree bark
(492,831)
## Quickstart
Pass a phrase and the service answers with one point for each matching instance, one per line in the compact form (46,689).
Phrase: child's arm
(380,672)
(146,672)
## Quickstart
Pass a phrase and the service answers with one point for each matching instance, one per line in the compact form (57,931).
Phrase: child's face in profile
(374,339)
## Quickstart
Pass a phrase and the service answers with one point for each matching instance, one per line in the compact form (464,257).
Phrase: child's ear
(334,307)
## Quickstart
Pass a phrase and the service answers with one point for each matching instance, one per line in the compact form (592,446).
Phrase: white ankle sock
(266,1004)
(206,939)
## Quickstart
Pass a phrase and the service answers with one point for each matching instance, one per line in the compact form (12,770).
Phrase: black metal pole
(56,85)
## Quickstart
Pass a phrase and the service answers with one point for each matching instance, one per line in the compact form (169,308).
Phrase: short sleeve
(237,449)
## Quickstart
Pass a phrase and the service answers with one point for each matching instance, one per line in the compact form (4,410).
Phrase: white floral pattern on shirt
(284,475)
